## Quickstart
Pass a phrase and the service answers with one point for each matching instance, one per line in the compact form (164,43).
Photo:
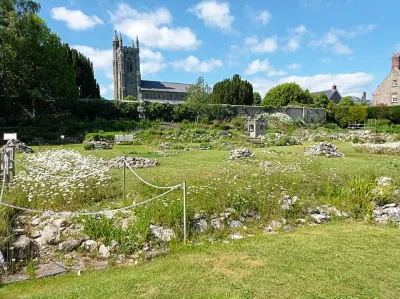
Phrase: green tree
(233,91)
(284,94)
(321,101)
(256,99)
(346,101)
(198,97)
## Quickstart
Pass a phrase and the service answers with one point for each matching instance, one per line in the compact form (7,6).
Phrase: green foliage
(198,97)
(88,146)
(106,230)
(256,99)
(358,113)
(286,94)
(341,116)
(233,91)
(346,102)
(322,101)
(39,75)
(130,98)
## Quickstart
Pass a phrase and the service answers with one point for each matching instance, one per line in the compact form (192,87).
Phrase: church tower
(126,69)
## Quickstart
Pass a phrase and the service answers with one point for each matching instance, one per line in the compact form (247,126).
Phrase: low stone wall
(309,115)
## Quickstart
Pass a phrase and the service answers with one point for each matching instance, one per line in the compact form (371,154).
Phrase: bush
(358,113)
(341,116)
(88,146)
(380,122)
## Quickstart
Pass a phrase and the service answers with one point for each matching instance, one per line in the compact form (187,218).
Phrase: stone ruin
(240,153)
(324,149)
(133,162)
(256,126)
(18,145)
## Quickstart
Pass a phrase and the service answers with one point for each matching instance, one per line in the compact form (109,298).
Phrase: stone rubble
(18,145)
(134,162)
(324,149)
(387,213)
(240,153)
(99,145)
(165,146)
(161,233)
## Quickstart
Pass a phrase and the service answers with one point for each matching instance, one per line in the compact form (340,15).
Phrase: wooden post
(184,211)
(6,170)
(124,194)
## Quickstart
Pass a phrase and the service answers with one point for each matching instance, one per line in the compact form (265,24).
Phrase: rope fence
(82,213)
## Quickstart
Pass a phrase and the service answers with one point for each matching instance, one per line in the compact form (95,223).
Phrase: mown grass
(335,260)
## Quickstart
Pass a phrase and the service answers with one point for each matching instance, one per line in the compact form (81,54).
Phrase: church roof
(164,86)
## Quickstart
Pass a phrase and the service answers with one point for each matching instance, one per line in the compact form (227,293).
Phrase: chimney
(334,87)
(396,61)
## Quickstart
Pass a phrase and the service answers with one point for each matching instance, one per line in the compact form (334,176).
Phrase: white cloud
(295,36)
(326,60)
(263,17)
(258,66)
(75,19)
(294,66)
(214,14)
(151,62)
(332,39)
(193,64)
(153,28)
(268,45)
(347,84)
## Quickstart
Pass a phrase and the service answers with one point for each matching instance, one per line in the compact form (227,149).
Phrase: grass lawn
(336,260)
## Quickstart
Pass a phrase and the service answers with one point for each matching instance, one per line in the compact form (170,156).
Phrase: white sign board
(9,136)
(62,136)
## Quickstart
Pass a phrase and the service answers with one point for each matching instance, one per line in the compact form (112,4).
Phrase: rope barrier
(147,183)
(75,214)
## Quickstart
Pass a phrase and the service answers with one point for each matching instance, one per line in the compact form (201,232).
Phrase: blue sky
(316,43)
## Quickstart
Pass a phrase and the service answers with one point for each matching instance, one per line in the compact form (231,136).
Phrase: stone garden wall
(309,115)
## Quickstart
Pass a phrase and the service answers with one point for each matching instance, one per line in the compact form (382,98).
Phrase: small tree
(256,99)
(346,101)
(321,101)
(198,97)
(283,95)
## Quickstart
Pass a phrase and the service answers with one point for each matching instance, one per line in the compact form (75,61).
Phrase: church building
(128,80)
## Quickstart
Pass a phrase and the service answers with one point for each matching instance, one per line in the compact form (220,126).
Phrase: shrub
(88,146)
(358,113)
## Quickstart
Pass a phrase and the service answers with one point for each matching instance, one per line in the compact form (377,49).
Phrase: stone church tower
(126,66)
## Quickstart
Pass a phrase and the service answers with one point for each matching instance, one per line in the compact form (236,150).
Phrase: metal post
(184,211)
(124,194)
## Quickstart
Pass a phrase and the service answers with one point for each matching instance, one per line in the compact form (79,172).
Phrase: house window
(394,97)
(394,83)
(251,128)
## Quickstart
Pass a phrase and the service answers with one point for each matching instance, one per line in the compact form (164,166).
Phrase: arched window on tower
(130,65)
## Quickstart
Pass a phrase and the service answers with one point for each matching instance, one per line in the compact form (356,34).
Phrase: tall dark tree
(86,84)
(38,74)
(233,91)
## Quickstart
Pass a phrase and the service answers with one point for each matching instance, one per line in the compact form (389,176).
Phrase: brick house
(388,92)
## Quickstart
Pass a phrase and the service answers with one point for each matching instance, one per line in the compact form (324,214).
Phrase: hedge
(344,115)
